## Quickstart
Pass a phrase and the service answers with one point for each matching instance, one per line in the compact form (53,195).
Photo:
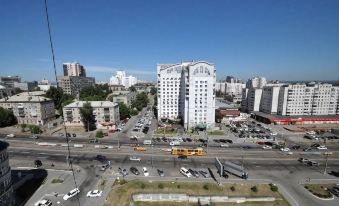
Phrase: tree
(141,101)
(124,111)
(55,94)
(23,127)
(153,91)
(94,93)
(99,134)
(132,89)
(7,117)
(87,117)
(34,129)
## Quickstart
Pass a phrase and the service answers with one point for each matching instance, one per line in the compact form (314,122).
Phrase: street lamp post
(152,155)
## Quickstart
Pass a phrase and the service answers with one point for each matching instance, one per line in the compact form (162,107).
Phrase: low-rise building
(26,86)
(30,109)
(105,112)
(6,91)
(126,98)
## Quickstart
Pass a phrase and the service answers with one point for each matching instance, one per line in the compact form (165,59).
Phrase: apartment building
(74,69)
(251,95)
(302,99)
(187,91)
(30,109)
(105,112)
(126,98)
(9,81)
(269,99)
(74,84)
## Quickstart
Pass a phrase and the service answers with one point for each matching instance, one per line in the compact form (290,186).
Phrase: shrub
(57,181)
(123,181)
(306,187)
(205,187)
(178,186)
(232,188)
(160,186)
(142,186)
(254,189)
(273,187)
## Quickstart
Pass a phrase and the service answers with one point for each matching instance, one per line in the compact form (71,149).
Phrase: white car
(135,158)
(322,147)
(311,132)
(273,133)
(10,135)
(185,172)
(71,194)
(174,143)
(224,145)
(266,147)
(94,193)
(43,202)
(285,149)
(144,169)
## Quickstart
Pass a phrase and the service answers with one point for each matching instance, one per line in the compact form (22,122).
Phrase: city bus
(183,151)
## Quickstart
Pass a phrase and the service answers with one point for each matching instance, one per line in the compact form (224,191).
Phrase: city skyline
(244,39)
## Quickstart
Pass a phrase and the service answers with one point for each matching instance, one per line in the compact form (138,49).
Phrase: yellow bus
(140,149)
(183,151)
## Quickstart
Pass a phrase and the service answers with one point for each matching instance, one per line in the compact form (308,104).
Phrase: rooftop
(79,104)
(25,98)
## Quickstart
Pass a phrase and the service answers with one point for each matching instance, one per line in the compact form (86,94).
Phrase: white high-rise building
(300,99)
(187,91)
(270,99)
(256,82)
(251,95)
(121,79)
(74,69)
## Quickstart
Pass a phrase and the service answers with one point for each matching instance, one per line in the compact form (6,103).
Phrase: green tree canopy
(94,93)
(7,117)
(132,89)
(55,94)
(87,117)
(140,101)
(124,111)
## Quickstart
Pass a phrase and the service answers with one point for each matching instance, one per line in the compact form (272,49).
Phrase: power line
(67,137)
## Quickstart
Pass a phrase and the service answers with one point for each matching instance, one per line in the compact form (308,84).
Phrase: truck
(235,169)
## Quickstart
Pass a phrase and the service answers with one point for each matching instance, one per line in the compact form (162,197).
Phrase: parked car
(10,135)
(43,202)
(295,147)
(194,172)
(204,174)
(303,160)
(266,147)
(134,170)
(104,167)
(334,173)
(123,171)
(185,172)
(322,147)
(101,158)
(160,173)
(145,171)
(71,194)
(335,191)
(224,145)
(94,193)
(285,149)
(134,158)
(313,163)
(182,157)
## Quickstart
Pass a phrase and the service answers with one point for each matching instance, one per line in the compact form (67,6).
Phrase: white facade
(256,82)
(187,91)
(30,109)
(220,87)
(234,88)
(300,99)
(121,79)
(105,112)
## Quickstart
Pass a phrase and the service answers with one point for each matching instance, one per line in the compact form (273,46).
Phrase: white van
(174,143)
(185,172)
(147,142)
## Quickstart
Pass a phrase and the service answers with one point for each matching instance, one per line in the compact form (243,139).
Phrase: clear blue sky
(278,39)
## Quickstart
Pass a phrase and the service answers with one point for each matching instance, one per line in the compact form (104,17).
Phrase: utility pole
(152,155)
